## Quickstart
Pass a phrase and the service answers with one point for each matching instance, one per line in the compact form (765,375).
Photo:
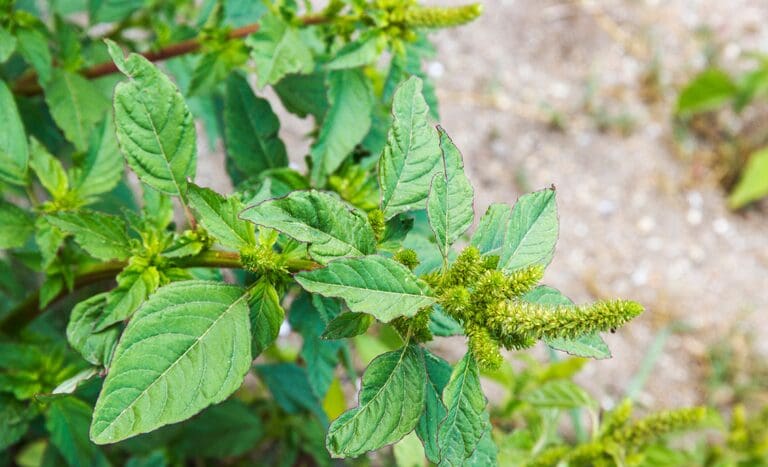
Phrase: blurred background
(584,95)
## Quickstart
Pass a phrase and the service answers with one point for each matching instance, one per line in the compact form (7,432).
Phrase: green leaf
(303,94)
(102,167)
(440,324)
(74,105)
(219,217)
(277,49)
(48,239)
(345,124)
(154,127)
(67,421)
(465,421)
(391,402)
(187,332)
(290,387)
(450,204)
(103,236)
(372,284)
(438,375)
(588,345)
(33,46)
(532,233)
(133,287)
(16,417)
(251,129)
(266,316)
(708,91)
(7,44)
(331,227)
(14,152)
(347,325)
(491,233)
(16,225)
(559,394)
(107,11)
(486,452)
(412,154)
(95,347)
(48,169)
(408,451)
(355,54)
(213,67)
(753,182)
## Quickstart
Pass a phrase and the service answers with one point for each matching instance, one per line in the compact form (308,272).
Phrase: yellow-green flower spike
(518,318)
(654,426)
(484,347)
(441,17)
(407,258)
(378,224)
(524,280)
(616,418)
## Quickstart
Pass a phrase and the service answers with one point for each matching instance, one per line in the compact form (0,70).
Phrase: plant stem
(28,85)
(29,309)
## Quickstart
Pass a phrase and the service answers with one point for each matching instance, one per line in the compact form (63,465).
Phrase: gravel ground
(637,220)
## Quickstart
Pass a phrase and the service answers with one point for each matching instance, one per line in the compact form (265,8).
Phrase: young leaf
(372,284)
(450,203)
(154,127)
(102,168)
(251,129)
(331,227)
(33,46)
(532,233)
(438,375)
(48,169)
(347,325)
(465,421)
(133,287)
(266,316)
(277,49)
(346,123)
(16,225)
(95,347)
(391,402)
(75,105)
(588,345)
(67,421)
(753,183)
(412,154)
(491,233)
(560,394)
(187,332)
(14,153)
(101,235)
(219,217)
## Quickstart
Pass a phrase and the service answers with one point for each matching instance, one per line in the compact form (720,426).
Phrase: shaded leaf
(102,168)
(290,387)
(16,225)
(67,421)
(347,325)
(559,394)
(266,316)
(95,347)
(101,235)
(438,375)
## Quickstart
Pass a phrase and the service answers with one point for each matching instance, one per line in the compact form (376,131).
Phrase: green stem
(30,308)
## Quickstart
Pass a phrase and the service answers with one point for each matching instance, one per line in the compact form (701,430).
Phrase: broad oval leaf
(154,126)
(375,285)
(14,152)
(532,233)
(266,316)
(331,227)
(491,233)
(187,347)
(347,325)
(391,402)
(589,345)
(219,216)
(251,130)
(450,205)
(412,154)
(75,106)
(466,421)
(277,49)
(345,124)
